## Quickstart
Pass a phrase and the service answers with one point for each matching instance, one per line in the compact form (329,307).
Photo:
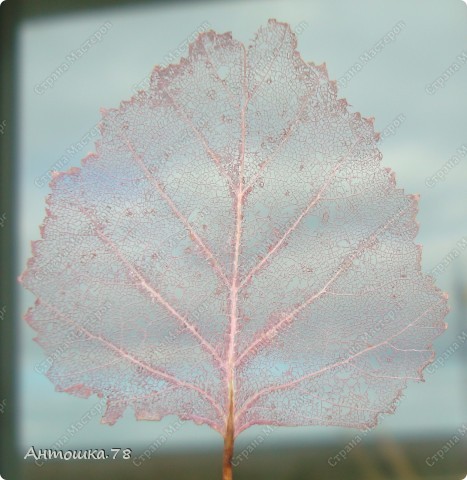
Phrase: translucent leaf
(235,249)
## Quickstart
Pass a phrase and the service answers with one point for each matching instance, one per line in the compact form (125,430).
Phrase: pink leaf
(235,253)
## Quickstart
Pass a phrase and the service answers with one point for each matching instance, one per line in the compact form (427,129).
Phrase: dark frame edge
(9,455)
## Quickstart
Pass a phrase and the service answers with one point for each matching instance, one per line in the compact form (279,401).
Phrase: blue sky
(396,86)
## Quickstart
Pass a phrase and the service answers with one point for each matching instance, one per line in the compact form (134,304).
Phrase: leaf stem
(227,473)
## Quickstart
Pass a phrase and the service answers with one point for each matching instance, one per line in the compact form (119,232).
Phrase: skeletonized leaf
(236,232)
